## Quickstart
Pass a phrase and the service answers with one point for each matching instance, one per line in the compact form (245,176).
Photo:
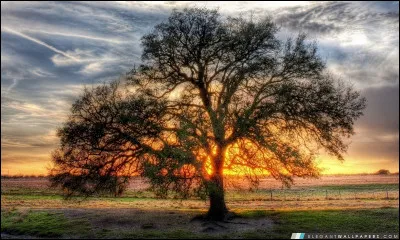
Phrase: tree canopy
(212,95)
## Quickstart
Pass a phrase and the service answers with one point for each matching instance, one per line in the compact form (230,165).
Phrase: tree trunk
(218,209)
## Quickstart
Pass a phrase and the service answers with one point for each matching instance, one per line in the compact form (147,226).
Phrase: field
(342,204)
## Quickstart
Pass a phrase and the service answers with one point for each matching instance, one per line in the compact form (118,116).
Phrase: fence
(317,194)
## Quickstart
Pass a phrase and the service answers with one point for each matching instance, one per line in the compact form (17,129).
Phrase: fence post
(284,195)
(340,195)
(387,194)
(326,193)
(271,194)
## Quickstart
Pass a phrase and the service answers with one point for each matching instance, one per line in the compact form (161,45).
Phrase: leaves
(211,93)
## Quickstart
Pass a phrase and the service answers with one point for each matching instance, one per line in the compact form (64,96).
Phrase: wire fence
(318,194)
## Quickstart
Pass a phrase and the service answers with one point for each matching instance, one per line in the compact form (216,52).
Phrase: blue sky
(50,50)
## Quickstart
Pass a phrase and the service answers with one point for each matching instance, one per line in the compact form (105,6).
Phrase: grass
(249,201)
(27,196)
(170,234)
(330,192)
(39,223)
(303,209)
(361,187)
(55,224)
(19,190)
(384,220)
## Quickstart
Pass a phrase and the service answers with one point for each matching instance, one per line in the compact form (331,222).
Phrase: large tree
(213,95)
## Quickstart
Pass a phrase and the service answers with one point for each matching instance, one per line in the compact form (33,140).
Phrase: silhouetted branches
(213,94)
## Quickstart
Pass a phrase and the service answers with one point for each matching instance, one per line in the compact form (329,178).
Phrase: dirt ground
(136,219)
(119,223)
(138,212)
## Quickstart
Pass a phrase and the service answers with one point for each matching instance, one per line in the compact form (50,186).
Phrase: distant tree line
(5,176)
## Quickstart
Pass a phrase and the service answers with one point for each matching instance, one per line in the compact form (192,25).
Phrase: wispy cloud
(49,50)
(40,43)
(14,83)
(72,35)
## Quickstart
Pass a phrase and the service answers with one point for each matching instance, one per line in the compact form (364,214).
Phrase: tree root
(235,222)
(227,218)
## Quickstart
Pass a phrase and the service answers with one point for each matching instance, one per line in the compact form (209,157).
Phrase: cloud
(377,132)
(50,50)
(93,68)
(359,40)
(14,83)
(73,35)
(381,117)
(40,43)
(333,17)
(79,57)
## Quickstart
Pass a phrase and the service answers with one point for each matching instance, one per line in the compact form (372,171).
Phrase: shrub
(383,172)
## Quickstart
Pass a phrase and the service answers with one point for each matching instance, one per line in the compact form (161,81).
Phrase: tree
(213,95)
(383,172)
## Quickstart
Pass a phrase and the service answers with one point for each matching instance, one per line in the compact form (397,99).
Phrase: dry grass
(333,192)
(300,183)
(138,214)
(233,183)
(9,202)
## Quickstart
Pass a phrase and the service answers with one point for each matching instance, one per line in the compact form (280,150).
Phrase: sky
(51,50)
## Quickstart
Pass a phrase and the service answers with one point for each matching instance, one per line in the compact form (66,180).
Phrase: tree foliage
(212,95)
(383,172)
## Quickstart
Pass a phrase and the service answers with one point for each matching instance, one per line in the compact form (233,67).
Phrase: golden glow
(22,163)
(329,164)
(354,165)
(36,168)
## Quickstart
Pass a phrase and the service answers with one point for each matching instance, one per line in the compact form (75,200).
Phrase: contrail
(15,81)
(75,35)
(41,43)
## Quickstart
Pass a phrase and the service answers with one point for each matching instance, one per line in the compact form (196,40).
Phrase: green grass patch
(22,197)
(255,214)
(41,224)
(32,197)
(331,221)
(55,224)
